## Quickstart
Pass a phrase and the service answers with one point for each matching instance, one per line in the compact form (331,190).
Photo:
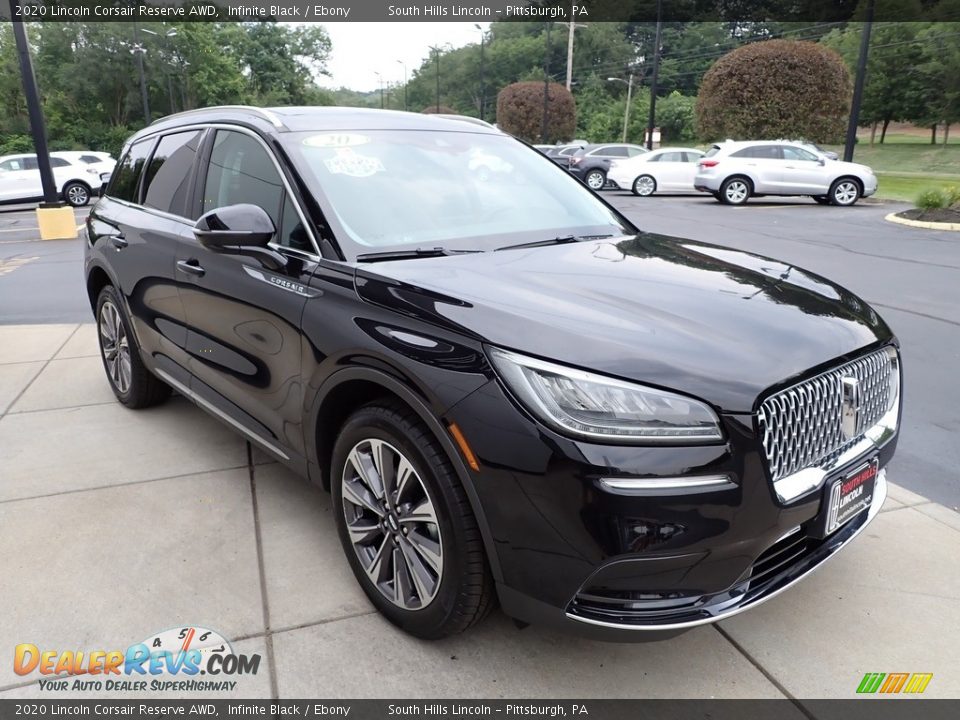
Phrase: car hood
(719,324)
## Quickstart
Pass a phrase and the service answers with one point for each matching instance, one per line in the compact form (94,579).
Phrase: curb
(894,218)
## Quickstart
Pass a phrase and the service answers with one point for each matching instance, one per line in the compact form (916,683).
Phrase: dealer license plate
(851,494)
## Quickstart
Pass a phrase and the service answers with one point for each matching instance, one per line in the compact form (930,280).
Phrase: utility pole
(653,80)
(571,30)
(380,82)
(436,58)
(546,87)
(138,49)
(854,121)
(483,83)
(55,221)
(405,83)
(35,111)
(626,112)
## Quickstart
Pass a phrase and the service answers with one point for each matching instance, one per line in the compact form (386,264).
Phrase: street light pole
(546,87)
(380,81)
(35,111)
(171,33)
(854,121)
(483,82)
(626,112)
(436,59)
(653,81)
(139,51)
(406,81)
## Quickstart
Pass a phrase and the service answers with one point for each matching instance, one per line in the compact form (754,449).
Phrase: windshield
(397,189)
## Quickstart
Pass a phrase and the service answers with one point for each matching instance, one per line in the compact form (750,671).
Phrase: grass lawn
(907,186)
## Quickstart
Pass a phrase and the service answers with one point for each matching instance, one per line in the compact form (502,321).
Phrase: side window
(166,178)
(292,232)
(89,159)
(744,153)
(612,151)
(123,183)
(671,157)
(634,151)
(795,153)
(30,163)
(691,157)
(10,165)
(767,152)
(58,162)
(241,171)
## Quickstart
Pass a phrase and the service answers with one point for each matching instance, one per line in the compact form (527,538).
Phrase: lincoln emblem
(849,407)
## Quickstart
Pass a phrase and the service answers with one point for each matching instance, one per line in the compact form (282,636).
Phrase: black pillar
(653,82)
(546,87)
(37,126)
(858,85)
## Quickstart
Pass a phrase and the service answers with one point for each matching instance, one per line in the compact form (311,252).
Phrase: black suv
(510,390)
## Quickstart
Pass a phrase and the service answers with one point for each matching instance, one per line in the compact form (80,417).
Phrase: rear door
(764,163)
(139,222)
(672,172)
(244,318)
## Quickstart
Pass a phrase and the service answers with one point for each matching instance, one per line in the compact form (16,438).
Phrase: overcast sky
(361,49)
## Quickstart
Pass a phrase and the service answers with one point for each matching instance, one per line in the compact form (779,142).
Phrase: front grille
(801,426)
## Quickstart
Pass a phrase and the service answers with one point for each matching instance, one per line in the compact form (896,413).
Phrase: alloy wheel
(77,195)
(846,193)
(115,346)
(595,180)
(392,524)
(736,192)
(644,185)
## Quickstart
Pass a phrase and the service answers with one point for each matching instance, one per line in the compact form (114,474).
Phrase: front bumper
(575,552)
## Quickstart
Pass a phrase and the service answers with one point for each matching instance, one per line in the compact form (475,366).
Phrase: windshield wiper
(407,254)
(561,240)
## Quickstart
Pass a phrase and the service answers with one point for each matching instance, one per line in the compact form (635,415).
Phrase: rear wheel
(129,379)
(644,186)
(735,191)
(595,179)
(844,192)
(406,524)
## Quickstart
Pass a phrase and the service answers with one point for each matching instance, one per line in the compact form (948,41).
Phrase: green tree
(777,88)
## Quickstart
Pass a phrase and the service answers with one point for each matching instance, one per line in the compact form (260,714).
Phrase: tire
(644,186)
(131,382)
(455,588)
(844,192)
(735,190)
(821,199)
(595,179)
(77,194)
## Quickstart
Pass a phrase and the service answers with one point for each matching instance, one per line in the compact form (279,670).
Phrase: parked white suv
(736,171)
(76,182)
(100,161)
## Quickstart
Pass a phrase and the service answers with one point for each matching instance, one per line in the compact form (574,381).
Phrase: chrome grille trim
(801,427)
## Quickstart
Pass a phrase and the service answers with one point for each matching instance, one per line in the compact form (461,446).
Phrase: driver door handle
(191,267)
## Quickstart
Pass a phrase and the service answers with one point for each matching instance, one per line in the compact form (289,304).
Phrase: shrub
(676,118)
(953,195)
(441,110)
(520,112)
(14,144)
(932,199)
(775,89)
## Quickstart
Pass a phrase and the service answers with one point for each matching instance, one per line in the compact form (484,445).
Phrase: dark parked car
(511,391)
(591,163)
(560,154)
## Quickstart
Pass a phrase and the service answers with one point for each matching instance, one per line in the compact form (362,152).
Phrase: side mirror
(821,161)
(239,230)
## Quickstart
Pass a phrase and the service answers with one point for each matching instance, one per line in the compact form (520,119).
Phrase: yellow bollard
(56,223)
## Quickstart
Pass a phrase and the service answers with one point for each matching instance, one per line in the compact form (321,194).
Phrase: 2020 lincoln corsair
(511,391)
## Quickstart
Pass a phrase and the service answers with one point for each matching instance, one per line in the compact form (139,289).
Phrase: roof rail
(267,115)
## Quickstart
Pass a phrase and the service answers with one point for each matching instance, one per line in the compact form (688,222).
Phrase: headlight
(597,407)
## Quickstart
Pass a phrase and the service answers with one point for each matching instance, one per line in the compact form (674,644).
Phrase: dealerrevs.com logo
(178,660)
(894,683)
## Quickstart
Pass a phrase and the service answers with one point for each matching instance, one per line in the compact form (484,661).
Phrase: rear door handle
(118,241)
(191,267)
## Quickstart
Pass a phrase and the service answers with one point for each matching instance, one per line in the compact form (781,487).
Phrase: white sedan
(663,170)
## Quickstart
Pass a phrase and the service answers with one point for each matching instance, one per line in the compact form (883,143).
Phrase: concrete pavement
(116,524)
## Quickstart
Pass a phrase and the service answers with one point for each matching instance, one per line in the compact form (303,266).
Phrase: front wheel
(129,379)
(595,179)
(644,186)
(406,525)
(76,194)
(844,192)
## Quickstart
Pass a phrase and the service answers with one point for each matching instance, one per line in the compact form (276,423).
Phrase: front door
(803,172)
(244,318)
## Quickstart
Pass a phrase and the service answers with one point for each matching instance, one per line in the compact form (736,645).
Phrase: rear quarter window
(125,181)
(168,175)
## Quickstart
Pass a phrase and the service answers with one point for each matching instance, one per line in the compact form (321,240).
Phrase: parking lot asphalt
(117,524)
